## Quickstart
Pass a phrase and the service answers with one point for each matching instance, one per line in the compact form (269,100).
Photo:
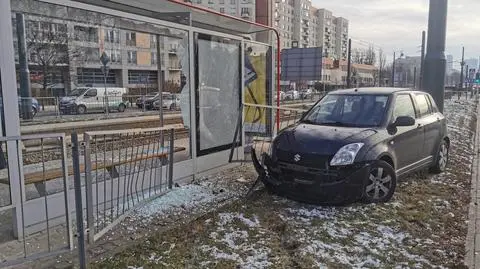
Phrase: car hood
(67,99)
(321,140)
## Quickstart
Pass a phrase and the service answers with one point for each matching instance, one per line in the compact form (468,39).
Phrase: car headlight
(346,155)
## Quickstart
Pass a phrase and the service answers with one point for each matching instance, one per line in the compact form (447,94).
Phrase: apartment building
(74,49)
(244,9)
(303,25)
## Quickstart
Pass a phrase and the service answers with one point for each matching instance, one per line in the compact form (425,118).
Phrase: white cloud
(397,25)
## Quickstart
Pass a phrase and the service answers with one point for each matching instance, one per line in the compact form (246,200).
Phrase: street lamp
(104,59)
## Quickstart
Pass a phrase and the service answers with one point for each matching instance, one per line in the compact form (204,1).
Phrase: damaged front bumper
(337,185)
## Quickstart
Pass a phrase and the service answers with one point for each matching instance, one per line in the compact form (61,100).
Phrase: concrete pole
(435,61)
(415,77)
(160,82)
(25,94)
(462,64)
(393,70)
(349,64)
(422,62)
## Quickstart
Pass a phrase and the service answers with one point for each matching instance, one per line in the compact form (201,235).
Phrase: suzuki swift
(353,144)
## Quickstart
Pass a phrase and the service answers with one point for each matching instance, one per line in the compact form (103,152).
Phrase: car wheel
(121,108)
(81,109)
(34,111)
(172,107)
(442,158)
(381,183)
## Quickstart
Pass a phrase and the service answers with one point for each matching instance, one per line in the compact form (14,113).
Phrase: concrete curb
(472,245)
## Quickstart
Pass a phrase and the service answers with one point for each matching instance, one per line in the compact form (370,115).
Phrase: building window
(245,11)
(132,57)
(199,2)
(153,41)
(130,39)
(232,2)
(153,58)
(86,34)
(210,2)
(91,55)
(221,2)
(112,36)
(92,76)
(142,77)
(115,56)
(222,10)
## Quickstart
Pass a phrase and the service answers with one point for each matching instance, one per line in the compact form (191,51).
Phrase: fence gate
(122,169)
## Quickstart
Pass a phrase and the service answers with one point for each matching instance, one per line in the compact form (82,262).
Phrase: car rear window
(422,103)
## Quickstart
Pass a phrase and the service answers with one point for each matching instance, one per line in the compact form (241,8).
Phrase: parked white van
(89,99)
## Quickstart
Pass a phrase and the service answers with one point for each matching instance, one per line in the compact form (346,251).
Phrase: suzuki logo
(297,158)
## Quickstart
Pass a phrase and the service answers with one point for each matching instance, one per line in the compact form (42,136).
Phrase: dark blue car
(354,144)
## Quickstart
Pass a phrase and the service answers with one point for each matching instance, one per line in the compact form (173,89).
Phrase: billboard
(302,64)
(257,87)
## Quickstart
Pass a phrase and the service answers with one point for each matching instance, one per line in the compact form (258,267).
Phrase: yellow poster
(255,91)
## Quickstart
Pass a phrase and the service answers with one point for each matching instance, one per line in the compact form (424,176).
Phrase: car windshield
(355,110)
(77,92)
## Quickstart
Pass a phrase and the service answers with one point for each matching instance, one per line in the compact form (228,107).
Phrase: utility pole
(160,82)
(467,76)
(349,64)
(435,61)
(422,62)
(415,77)
(462,65)
(25,94)
(393,70)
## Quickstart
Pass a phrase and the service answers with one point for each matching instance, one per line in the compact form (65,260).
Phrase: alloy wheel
(379,184)
(443,157)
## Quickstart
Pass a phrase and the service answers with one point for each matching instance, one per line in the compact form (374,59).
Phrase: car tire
(121,108)
(380,183)
(441,160)
(34,111)
(81,109)
(172,107)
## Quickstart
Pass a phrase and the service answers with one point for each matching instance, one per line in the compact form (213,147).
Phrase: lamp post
(104,59)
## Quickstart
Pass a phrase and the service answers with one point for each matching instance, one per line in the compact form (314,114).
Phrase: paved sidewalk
(472,257)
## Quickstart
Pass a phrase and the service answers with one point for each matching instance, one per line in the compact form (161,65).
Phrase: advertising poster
(256,89)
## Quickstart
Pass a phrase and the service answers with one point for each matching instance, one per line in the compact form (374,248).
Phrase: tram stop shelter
(220,62)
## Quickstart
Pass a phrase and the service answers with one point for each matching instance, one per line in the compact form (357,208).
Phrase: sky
(398,25)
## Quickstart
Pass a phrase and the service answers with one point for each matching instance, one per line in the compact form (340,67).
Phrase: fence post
(89,189)
(170,164)
(82,254)
(57,107)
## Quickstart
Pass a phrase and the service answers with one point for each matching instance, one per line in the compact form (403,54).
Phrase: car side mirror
(404,121)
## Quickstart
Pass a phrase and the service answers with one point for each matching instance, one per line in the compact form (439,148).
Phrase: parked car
(282,96)
(87,99)
(35,105)
(292,95)
(356,148)
(306,93)
(170,101)
(148,100)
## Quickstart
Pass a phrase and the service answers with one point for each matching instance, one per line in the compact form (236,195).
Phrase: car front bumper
(339,185)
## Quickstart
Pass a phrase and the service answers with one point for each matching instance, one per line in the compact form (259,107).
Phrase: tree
(47,48)
(364,56)
(370,56)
